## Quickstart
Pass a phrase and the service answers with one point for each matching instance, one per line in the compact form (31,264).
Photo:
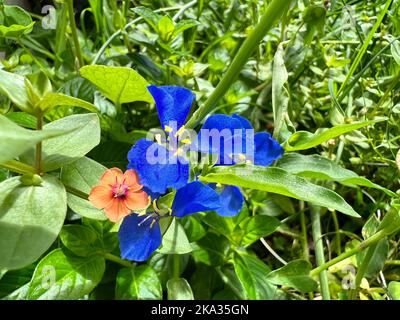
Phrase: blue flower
(160,168)
(140,236)
(232,140)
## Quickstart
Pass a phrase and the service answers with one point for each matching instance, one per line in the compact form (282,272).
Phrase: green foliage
(321,76)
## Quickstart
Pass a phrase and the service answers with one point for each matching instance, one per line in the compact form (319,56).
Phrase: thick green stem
(118,260)
(274,11)
(74,32)
(77,192)
(319,251)
(176,270)
(362,246)
(38,162)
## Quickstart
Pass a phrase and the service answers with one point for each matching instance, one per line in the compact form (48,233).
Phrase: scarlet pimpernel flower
(119,194)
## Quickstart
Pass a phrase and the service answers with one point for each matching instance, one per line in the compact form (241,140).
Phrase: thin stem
(119,32)
(18,167)
(77,192)
(304,239)
(392,262)
(274,11)
(72,23)
(362,246)
(183,9)
(176,266)
(319,250)
(361,271)
(38,162)
(269,248)
(338,238)
(118,260)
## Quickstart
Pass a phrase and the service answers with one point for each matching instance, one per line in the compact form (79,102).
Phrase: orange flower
(119,194)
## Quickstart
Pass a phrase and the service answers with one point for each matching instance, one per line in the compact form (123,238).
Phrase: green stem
(304,239)
(362,246)
(38,161)
(77,192)
(392,262)
(361,271)
(274,11)
(118,260)
(74,31)
(319,250)
(18,167)
(176,266)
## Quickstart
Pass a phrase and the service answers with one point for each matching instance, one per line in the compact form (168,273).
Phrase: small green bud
(31,180)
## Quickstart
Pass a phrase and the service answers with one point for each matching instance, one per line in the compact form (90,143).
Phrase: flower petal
(231,201)
(138,239)
(132,180)
(173,103)
(116,210)
(111,176)
(226,136)
(158,169)
(136,200)
(195,197)
(267,149)
(101,196)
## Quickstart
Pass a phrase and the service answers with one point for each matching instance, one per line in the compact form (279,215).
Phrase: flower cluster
(161,165)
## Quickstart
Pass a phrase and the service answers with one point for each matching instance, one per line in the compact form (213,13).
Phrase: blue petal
(221,134)
(232,200)
(157,168)
(267,149)
(173,104)
(244,122)
(137,239)
(195,197)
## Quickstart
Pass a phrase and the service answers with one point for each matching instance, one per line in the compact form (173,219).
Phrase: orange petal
(100,196)
(136,200)
(116,210)
(132,180)
(112,176)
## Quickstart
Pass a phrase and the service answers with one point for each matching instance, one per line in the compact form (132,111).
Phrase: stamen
(144,220)
(180,131)
(152,223)
(178,152)
(158,138)
(186,141)
(168,129)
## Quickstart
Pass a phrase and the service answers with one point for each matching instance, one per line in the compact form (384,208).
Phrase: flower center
(120,190)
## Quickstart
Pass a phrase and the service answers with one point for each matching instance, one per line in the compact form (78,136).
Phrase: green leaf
(148,15)
(280,96)
(119,84)
(395,50)
(179,289)
(211,250)
(183,25)
(52,100)
(296,274)
(60,276)
(279,181)
(70,147)
(391,221)
(252,272)
(138,283)
(378,258)
(175,240)
(83,175)
(317,167)
(15,279)
(14,22)
(23,119)
(394,290)
(79,239)
(302,140)
(15,140)
(31,218)
(13,86)
(166,28)
(256,227)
